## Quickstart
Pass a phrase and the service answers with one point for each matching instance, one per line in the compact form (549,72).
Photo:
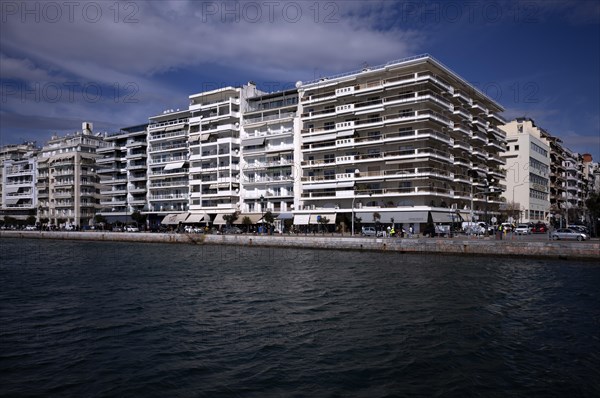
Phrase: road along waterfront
(459,246)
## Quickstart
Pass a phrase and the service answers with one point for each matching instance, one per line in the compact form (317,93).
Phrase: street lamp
(262,211)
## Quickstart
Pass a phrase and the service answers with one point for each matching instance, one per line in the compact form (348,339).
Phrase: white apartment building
(528,170)
(122,170)
(271,130)
(167,167)
(215,152)
(399,140)
(14,152)
(68,183)
(19,196)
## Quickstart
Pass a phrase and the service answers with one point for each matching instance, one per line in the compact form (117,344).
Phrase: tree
(30,220)
(231,218)
(246,221)
(138,217)
(376,218)
(269,219)
(324,221)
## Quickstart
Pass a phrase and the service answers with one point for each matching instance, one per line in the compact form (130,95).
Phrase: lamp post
(262,211)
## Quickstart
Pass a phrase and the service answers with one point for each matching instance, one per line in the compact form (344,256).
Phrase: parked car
(232,230)
(523,229)
(132,228)
(368,231)
(30,228)
(568,233)
(539,228)
(117,229)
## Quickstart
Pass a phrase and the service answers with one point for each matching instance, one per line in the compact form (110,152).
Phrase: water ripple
(109,319)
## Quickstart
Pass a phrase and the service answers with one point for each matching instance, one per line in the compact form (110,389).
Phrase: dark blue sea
(99,319)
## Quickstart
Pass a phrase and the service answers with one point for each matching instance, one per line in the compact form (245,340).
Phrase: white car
(522,229)
(132,228)
(30,228)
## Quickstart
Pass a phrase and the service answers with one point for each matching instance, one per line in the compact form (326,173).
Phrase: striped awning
(315,218)
(174,218)
(197,218)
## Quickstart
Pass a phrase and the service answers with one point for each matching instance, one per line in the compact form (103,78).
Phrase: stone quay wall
(455,246)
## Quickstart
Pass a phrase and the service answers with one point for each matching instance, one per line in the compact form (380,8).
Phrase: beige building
(68,183)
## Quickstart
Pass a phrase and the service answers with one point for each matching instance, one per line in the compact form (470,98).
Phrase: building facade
(68,183)
(167,166)
(19,194)
(123,171)
(528,171)
(399,141)
(270,132)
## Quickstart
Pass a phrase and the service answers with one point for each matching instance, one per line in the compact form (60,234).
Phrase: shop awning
(197,218)
(445,217)
(466,216)
(400,217)
(301,219)
(253,141)
(254,218)
(174,166)
(174,218)
(316,217)
(219,220)
(285,216)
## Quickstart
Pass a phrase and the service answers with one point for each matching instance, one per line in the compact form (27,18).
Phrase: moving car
(568,233)
(522,229)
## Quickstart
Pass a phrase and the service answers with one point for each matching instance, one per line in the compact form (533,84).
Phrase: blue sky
(116,64)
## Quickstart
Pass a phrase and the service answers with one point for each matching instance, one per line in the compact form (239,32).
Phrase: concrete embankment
(458,246)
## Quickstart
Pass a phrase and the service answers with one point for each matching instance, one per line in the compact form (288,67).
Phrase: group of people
(401,232)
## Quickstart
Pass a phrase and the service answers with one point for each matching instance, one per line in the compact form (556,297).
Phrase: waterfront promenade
(456,246)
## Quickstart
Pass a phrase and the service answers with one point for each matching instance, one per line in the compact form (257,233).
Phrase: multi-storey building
(167,167)
(269,152)
(575,198)
(19,196)
(215,151)
(68,183)
(528,170)
(399,140)
(122,170)
(13,152)
(558,183)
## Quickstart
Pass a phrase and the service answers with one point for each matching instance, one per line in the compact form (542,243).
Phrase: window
(516,147)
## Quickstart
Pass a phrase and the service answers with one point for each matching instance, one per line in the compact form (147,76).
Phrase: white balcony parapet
(344,91)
